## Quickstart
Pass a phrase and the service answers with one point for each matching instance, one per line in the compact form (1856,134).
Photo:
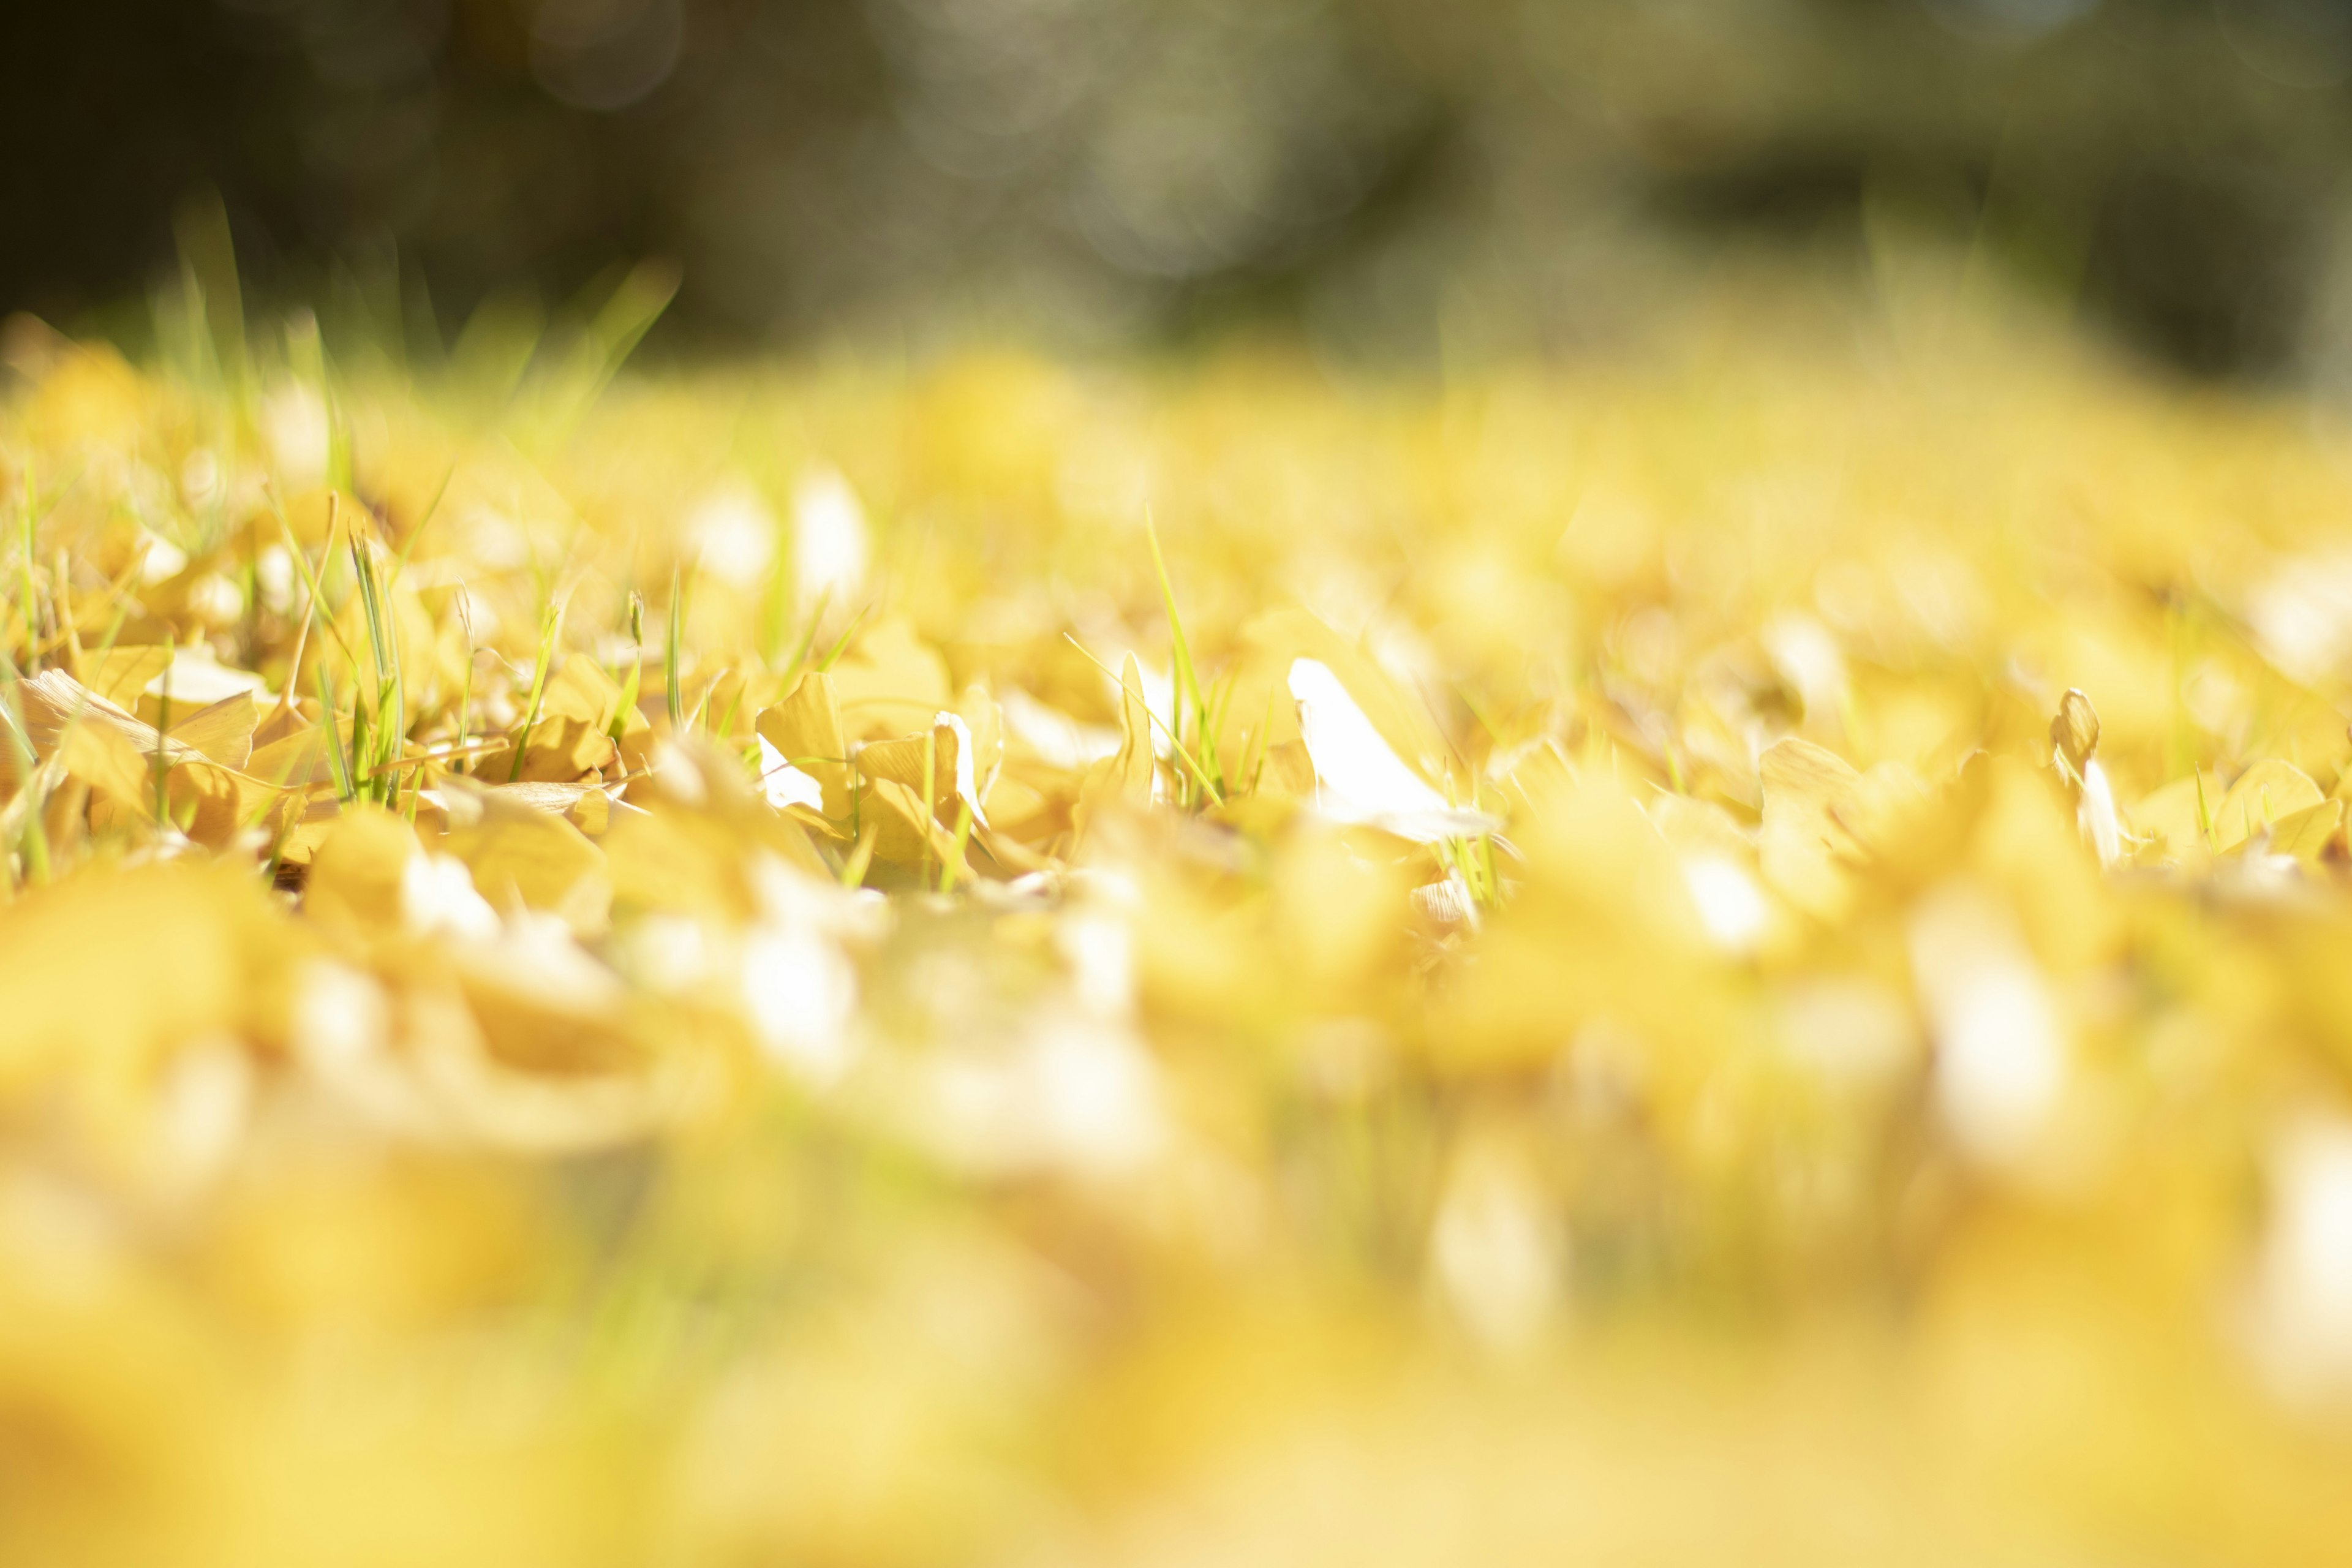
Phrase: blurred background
(1396,178)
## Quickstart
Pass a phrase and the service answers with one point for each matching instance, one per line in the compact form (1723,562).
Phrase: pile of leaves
(1739,957)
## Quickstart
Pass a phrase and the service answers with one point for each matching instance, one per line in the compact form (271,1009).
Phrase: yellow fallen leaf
(105,970)
(2175,816)
(905,833)
(222,730)
(1359,777)
(806,728)
(1129,778)
(297,760)
(1282,637)
(889,682)
(581,690)
(2265,793)
(121,674)
(194,679)
(1806,847)
(2306,833)
(939,759)
(560,750)
(358,870)
(519,855)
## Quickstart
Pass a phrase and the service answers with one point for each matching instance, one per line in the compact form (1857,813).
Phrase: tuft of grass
(633,676)
(387,724)
(551,628)
(1200,775)
(1188,699)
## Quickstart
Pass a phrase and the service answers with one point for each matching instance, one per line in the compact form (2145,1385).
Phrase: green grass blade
(1182,755)
(636,673)
(1188,697)
(551,626)
(673,665)
(841,643)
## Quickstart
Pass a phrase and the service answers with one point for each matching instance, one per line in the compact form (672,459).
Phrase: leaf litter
(737,968)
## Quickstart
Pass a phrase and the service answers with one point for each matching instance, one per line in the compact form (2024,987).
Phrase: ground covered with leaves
(1737,955)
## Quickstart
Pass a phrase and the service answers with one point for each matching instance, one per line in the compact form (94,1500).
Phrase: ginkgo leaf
(526,857)
(194,679)
(1053,737)
(944,757)
(126,761)
(1132,767)
(100,974)
(560,750)
(2076,731)
(1811,796)
(464,802)
(121,674)
(889,682)
(2263,795)
(295,760)
(2307,833)
(905,833)
(222,730)
(984,736)
(1129,778)
(581,690)
(1358,778)
(829,543)
(806,731)
(359,874)
(2175,817)
(782,784)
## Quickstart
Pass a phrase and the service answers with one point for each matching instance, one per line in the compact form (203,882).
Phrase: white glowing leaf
(966,790)
(2301,615)
(163,560)
(1057,737)
(195,679)
(1497,1253)
(1730,904)
(2303,1283)
(784,784)
(1073,1093)
(273,572)
(436,894)
(1809,659)
(2096,813)
(829,546)
(800,992)
(733,534)
(1358,778)
(1159,698)
(296,429)
(2000,1049)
